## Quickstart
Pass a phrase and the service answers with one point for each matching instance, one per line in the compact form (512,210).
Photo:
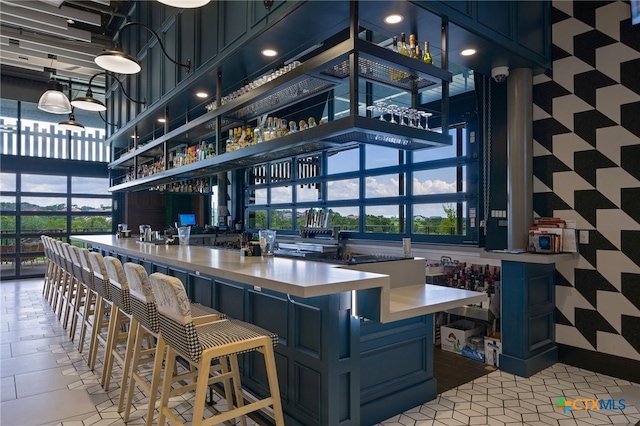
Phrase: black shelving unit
(316,75)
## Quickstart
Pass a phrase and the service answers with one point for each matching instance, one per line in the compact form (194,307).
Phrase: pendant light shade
(71,124)
(185,4)
(117,61)
(88,103)
(53,100)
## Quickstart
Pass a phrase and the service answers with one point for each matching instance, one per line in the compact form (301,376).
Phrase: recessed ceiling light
(393,19)
(161,120)
(269,52)
(70,21)
(468,52)
(202,94)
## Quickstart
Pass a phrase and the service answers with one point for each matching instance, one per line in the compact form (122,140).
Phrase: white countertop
(296,277)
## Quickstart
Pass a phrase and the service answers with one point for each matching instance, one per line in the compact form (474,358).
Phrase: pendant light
(119,62)
(185,4)
(71,124)
(53,100)
(89,103)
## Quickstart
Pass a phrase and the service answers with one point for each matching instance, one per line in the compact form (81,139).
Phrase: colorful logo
(579,404)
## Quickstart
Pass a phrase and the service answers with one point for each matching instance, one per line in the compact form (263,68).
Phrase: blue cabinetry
(528,317)
(333,368)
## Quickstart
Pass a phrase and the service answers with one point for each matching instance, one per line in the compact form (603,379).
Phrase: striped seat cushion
(190,341)
(232,331)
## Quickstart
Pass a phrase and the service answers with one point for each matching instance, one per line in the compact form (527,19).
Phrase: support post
(519,158)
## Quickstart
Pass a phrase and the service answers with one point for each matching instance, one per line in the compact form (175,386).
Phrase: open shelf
(316,75)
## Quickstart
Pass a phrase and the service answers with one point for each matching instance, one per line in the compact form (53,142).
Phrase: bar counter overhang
(354,350)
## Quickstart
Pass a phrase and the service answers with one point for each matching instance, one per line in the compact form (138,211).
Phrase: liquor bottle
(403,45)
(426,55)
(418,54)
(393,73)
(412,45)
(248,139)
(236,138)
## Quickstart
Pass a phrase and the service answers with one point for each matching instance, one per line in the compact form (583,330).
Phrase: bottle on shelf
(393,73)
(248,136)
(426,55)
(403,45)
(412,46)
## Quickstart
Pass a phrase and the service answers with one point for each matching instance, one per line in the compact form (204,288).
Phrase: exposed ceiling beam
(97,8)
(56,3)
(20,50)
(35,17)
(71,33)
(62,12)
(10,58)
(75,73)
(68,48)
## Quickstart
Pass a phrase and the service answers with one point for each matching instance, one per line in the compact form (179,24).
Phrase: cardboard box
(492,351)
(453,337)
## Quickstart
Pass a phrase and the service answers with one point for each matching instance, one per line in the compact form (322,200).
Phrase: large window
(374,192)
(41,192)
(36,134)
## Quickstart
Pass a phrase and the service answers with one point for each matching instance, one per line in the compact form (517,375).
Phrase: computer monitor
(187,219)
(635,12)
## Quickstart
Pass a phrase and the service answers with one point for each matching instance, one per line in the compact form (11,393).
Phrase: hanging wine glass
(426,116)
(392,110)
(411,116)
(382,108)
(371,109)
(402,111)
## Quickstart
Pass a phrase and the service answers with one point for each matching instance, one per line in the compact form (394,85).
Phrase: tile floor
(45,381)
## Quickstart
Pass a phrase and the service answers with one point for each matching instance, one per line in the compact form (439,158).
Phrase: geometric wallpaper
(586,131)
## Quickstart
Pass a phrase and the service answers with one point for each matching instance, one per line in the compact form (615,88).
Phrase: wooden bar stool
(76,291)
(58,271)
(100,324)
(199,345)
(84,298)
(145,317)
(119,320)
(47,284)
(67,288)
(62,277)
(86,315)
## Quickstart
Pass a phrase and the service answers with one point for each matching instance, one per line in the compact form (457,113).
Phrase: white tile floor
(45,381)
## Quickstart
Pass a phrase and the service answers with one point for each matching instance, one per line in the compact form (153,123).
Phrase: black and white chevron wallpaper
(586,134)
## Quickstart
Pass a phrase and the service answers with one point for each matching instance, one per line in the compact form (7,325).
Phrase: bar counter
(354,349)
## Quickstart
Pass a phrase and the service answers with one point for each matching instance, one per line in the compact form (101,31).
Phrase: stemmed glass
(412,114)
(381,107)
(402,111)
(392,110)
(426,116)
(371,108)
